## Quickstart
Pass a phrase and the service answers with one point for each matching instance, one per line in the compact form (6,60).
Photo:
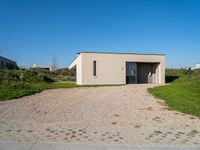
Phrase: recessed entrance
(141,72)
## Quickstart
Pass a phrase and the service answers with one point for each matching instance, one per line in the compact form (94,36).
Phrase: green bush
(181,75)
(186,78)
(23,76)
(176,72)
(18,83)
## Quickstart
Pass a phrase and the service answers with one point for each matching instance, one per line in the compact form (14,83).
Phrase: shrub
(8,76)
(181,75)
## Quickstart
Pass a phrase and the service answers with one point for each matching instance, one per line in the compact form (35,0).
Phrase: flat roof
(114,53)
(119,53)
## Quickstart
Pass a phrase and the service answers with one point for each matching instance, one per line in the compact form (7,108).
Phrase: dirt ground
(121,114)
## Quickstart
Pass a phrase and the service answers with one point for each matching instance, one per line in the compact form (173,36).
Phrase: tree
(54,63)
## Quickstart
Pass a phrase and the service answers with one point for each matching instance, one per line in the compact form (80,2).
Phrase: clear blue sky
(34,31)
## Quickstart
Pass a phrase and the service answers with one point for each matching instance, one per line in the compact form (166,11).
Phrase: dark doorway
(131,73)
(146,72)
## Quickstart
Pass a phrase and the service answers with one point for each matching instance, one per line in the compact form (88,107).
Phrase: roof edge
(119,53)
(78,54)
(8,59)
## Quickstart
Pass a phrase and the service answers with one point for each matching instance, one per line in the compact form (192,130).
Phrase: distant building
(197,66)
(6,63)
(35,67)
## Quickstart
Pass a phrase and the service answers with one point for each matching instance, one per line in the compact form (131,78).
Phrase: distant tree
(54,63)
(72,72)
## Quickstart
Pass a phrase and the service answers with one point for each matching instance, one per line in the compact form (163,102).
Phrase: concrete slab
(11,145)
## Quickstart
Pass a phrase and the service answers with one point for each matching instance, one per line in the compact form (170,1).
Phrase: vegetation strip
(183,94)
(19,83)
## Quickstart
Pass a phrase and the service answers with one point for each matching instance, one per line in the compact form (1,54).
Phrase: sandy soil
(121,114)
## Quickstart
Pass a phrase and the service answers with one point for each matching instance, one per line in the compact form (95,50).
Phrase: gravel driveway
(119,114)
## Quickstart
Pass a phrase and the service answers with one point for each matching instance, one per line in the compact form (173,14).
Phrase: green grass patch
(182,95)
(19,89)
(56,85)
(18,83)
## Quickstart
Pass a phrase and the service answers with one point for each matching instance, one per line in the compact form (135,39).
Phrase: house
(94,68)
(197,66)
(46,68)
(6,63)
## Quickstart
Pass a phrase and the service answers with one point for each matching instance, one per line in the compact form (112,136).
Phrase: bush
(187,78)
(65,74)
(42,77)
(181,75)
(18,83)
(176,72)
(9,76)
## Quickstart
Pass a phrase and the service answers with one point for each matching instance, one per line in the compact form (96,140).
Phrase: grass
(18,89)
(22,89)
(182,95)
(18,83)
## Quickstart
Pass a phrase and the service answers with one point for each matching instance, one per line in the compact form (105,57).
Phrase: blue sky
(34,31)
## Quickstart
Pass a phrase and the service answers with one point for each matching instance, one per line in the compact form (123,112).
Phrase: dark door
(131,73)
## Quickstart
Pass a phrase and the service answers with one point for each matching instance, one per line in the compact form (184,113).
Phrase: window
(2,64)
(94,68)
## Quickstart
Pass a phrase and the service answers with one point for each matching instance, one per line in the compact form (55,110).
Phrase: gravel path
(120,114)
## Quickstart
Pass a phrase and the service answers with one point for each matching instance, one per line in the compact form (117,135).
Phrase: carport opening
(141,73)
(147,72)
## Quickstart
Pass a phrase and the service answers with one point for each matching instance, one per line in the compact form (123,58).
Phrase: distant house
(118,68)
(197,66)
(6,63)
(46,68)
